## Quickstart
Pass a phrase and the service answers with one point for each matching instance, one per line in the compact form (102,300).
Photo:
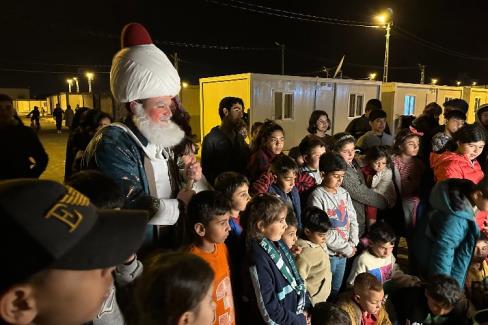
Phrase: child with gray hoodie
(342,238)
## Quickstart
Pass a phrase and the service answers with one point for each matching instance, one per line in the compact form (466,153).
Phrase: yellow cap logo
(69,215)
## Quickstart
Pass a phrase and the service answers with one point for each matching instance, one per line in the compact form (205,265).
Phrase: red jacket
(303,182)
(453,165)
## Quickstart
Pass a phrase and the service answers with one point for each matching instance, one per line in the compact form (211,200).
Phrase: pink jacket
(453,165)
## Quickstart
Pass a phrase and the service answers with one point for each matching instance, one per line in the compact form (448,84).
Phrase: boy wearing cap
(61,254)
(377,135)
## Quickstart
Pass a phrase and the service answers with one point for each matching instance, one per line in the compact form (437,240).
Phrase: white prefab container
(410,99)
(289,100)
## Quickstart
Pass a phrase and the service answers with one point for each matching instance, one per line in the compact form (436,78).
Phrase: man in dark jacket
(23,155)
(224,149)
(58,116)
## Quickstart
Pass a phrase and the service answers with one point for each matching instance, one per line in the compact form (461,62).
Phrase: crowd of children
(308,238)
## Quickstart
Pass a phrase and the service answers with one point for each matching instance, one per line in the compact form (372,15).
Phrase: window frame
(356,95)
(284,94)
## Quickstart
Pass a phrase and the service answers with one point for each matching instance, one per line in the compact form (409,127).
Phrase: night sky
(46,42)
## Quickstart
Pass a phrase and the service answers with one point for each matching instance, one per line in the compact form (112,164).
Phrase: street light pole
(89,76)
(70,83)
(77,85)
(282,46)
(387,52)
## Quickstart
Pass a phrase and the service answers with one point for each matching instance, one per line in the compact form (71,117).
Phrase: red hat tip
(134,34)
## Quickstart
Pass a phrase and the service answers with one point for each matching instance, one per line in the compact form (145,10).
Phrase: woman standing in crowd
(354,181)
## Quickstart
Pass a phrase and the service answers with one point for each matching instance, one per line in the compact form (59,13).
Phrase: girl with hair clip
(278,294)
(174,289)
(459,160)
(354,181)
(408,170)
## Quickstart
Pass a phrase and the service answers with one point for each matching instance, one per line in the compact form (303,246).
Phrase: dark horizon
(48,42)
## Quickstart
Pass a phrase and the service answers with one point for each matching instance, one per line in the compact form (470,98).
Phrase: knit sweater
(313,264)
(361,195)
(343,235)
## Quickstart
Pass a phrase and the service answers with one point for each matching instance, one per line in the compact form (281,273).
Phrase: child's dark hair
(291,219)
(309,143)
(381,232)
(457,103)
(456,114)
(314,117)
(373,104)
(264,208)
(365,282)
(466,134)
(331,162)
(228,182)
(265,132)
(185,147)
(377,152)
(102,190)
(255,127)
(325,313)
(227,103)
(444,290)
(315,220)
(282,164)
(341,139)
(171,284)
(432,109)
(204,206)
(462,189)
(403,136)
(469,133)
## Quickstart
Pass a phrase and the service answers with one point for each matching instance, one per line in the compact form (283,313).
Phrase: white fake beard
(165,135)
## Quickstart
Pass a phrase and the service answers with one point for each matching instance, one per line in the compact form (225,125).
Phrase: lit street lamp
(474,83)
(434,81)
(70,83)
(458,83)
(386,20)
(89,76)
(372,76)
(184,84)
(77,84)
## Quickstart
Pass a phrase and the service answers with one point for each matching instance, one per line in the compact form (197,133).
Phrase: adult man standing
(224,148)
(137,153)
(58,116)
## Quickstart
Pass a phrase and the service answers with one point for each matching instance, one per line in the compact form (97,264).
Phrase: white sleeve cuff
(167,214)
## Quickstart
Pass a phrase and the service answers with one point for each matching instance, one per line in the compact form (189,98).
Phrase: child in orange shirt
(208,216)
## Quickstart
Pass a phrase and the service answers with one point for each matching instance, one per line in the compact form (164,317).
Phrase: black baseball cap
(45,224)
